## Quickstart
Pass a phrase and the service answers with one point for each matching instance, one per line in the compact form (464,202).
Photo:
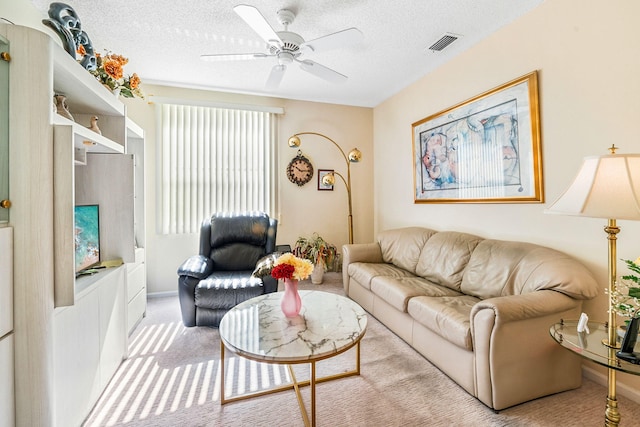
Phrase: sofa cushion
(500,268)
(402,247)
(445,256)
(397,291)
(364,272)
(446,316)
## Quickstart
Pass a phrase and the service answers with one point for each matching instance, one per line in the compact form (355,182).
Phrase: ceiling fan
(288,47)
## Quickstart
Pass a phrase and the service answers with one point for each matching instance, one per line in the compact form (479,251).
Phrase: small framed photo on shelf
(321,185)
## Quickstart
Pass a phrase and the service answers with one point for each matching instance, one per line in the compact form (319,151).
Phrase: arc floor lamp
(606,187)
(354,156)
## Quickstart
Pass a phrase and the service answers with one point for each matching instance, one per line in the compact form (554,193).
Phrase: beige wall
(303,210)
(588,60)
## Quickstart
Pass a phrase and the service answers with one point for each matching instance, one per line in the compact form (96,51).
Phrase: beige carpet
(171,378)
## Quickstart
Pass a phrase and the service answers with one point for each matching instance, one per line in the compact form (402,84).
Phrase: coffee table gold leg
(312,384)
(222,401)
(296,387)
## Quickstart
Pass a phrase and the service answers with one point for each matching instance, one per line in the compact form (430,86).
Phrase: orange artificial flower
(119,59)
(112,68)
(134,81)
(109,71)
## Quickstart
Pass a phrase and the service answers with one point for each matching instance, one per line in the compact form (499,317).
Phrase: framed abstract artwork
(484,150)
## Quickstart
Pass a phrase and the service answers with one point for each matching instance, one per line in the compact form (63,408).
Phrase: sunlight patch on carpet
(142,387)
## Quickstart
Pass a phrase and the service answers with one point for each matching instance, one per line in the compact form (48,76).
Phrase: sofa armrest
(358,252)
(196,266)
(512,347)
(526,306)
(194,269)
(361,252)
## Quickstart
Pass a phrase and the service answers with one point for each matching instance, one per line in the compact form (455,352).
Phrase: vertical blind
(213,159)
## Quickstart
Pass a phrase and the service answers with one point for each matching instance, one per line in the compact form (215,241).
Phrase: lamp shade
(605,187)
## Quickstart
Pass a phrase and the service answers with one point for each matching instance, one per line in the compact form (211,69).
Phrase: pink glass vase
(291,302)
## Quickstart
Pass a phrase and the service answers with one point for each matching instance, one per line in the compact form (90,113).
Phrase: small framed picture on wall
(321,185)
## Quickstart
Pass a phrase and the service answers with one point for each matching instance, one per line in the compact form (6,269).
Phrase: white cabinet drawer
(136,309)
(7,403)
(6,280)
(139,254)
(136,281)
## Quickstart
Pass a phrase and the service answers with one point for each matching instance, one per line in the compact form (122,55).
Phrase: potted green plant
(318,251)
(626,303)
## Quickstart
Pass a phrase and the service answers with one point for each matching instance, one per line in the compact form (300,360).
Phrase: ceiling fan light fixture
(285,58)
(290,41)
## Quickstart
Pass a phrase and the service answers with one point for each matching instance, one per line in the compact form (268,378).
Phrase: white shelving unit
(103,172)
(97,169)
(71,340)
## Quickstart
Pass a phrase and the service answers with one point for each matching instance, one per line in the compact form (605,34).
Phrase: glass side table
(592,346)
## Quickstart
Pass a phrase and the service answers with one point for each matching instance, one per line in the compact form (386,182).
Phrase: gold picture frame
(484,150)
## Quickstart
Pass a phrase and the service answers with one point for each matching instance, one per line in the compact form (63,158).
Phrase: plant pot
(317,274)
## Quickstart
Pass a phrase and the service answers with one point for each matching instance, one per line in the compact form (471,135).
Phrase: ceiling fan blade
(234,56)
(256,21)
(322,71)
(343,38)
(275,77)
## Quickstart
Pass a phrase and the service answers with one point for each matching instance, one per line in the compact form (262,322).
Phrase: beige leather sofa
(478,309)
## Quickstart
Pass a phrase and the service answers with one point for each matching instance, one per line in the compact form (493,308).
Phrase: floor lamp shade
(605,187)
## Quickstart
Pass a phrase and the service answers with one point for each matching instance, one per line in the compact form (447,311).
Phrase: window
(213,159)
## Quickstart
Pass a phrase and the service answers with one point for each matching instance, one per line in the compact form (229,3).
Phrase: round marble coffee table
(327,325)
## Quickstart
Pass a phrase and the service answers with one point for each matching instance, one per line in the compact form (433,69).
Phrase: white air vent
(443,42)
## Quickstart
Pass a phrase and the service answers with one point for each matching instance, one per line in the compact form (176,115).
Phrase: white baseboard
(162,294)
(621,389)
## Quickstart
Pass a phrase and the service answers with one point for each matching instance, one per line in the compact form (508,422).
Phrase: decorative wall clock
(300,170)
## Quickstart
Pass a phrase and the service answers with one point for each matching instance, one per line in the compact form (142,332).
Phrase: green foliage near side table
(315,249)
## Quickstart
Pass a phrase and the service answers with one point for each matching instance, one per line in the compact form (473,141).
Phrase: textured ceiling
(164,39)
